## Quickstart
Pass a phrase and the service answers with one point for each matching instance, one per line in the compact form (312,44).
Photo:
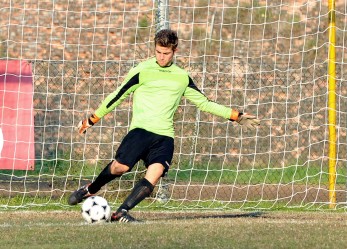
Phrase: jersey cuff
(234,115)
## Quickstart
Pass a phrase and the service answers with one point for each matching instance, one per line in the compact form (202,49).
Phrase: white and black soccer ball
(95,209)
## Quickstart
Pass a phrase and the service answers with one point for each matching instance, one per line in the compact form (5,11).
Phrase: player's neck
(167,65)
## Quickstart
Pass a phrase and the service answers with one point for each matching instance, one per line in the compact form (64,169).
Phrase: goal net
(268,58)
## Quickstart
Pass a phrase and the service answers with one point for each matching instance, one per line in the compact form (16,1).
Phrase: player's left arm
(204,104)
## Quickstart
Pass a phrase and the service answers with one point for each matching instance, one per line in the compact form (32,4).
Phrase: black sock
(141,190)
(103,178)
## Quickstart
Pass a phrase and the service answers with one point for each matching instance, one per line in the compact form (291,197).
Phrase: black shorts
(150,147)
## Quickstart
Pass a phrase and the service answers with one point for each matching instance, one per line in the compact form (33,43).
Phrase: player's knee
(118,168)
(154,172)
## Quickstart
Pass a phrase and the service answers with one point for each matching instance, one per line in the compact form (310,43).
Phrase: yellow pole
(332,105)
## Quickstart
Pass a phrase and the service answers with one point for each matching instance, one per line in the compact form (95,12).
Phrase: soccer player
(158,85)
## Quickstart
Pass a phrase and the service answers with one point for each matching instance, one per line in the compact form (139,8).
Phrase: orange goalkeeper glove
(83,125)
(244,119)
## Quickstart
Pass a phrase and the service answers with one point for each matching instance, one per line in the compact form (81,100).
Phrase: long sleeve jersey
(157,92)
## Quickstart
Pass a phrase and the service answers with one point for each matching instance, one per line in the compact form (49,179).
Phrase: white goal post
(269,58)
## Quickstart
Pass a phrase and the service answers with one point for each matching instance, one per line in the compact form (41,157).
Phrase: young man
(157,86)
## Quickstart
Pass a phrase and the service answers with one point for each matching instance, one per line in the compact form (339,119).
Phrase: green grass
(176,230)
(199,172)
(296,173)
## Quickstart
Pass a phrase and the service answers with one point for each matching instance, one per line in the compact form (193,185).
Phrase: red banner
(17,149)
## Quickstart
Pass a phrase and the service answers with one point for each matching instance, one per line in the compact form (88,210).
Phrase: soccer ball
(95,209)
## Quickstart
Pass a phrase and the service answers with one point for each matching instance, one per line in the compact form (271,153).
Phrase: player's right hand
(83,125)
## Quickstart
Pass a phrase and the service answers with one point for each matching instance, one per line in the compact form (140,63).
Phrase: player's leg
(141,190)
(128,153)
(111,171)
(157,160)
(144,187)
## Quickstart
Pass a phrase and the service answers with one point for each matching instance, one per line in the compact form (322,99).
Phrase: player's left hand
(244,119)
(248,121)
(85,124)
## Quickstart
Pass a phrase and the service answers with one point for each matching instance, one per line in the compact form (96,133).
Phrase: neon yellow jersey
(157,92)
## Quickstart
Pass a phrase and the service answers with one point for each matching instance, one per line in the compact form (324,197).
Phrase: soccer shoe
(122,217)
(78,196)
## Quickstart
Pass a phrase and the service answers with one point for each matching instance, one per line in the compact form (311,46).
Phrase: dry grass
(22,229)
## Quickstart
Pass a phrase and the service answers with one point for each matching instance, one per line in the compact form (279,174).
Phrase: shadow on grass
(191,216)
(223,216)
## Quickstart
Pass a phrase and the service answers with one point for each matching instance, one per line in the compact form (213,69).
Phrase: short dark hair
(166,38)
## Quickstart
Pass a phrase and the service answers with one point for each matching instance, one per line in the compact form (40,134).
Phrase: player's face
(164,55)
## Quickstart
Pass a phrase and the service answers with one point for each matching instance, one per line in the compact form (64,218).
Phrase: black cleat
(78,196)
(122,217)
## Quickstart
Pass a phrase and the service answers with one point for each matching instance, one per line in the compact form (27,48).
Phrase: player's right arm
(130,84)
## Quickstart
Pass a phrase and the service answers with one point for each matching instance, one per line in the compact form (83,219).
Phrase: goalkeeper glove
(83,125)
(244,119)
